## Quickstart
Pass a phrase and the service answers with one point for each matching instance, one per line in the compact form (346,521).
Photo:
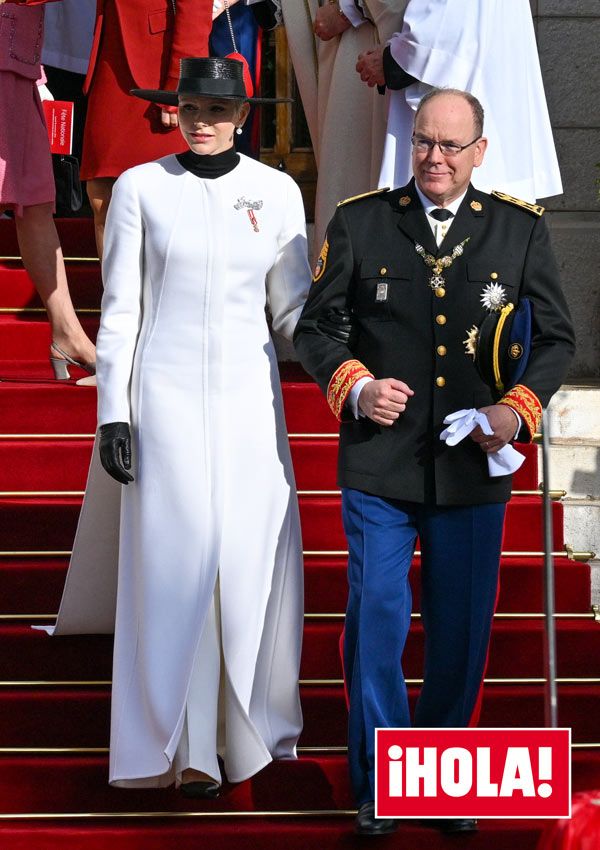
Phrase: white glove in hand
(460,424)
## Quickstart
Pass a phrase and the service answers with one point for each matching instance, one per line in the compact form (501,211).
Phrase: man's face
(446,118)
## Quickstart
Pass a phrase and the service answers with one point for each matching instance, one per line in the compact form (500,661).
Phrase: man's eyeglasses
(423,145)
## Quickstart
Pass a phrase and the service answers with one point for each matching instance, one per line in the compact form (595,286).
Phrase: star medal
(470,342)
(493,297)
(438,264)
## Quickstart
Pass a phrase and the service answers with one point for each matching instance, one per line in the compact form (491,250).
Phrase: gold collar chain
(438,264)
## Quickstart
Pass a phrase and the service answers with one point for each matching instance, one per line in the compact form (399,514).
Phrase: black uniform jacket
(406,331)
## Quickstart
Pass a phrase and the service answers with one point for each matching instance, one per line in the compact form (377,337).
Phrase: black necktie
(441,215)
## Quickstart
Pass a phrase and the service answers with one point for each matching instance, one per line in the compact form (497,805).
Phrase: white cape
(486,47)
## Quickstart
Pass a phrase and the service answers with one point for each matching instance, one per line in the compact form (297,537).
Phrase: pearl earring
(238,131)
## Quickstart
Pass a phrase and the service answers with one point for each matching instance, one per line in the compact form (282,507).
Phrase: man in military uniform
(417,269)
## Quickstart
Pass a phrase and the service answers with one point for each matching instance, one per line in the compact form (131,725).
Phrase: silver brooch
(493,297)
(243,204)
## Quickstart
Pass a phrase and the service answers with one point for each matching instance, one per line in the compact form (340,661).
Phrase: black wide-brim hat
(225,77)
(503,346)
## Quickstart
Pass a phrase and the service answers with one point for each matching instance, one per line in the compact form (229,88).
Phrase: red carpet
(48,695)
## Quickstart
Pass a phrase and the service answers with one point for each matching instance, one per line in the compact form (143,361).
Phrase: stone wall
(568,33)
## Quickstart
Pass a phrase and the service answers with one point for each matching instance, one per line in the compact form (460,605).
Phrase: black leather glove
(115,450)
(337,325)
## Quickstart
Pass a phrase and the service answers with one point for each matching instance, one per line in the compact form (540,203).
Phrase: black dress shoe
(367,824)
(452,825)
(204,789)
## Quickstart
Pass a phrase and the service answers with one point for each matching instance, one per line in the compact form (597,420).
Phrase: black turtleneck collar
(207,166)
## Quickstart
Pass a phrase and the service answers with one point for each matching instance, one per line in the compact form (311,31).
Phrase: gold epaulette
(364,195)
(536,209)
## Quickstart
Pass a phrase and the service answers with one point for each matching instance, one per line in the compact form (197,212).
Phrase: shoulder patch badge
(364,195)
(321,263)
(536,209)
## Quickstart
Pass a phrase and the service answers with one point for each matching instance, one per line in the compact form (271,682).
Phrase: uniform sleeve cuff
(524,402)
(342,381)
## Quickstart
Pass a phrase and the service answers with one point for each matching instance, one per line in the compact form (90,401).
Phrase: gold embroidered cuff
(342,381)
(526,404)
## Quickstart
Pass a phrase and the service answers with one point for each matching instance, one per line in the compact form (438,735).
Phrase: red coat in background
(137,44)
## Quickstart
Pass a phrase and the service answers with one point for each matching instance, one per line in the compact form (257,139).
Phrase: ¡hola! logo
(473,773)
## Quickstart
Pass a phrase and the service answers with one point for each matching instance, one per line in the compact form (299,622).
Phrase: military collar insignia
(405,200)
(476,206)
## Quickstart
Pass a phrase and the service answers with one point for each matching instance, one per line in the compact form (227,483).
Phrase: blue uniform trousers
(460,555)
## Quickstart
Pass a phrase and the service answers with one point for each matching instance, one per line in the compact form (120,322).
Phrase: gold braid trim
(526,404)
(342,381)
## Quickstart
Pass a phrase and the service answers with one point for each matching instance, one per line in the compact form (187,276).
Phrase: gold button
(494,275)
(441,382)
(383,270)
(441,350)
(440,291)
(440,319)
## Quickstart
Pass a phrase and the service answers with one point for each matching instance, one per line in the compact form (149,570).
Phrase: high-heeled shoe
(60,365)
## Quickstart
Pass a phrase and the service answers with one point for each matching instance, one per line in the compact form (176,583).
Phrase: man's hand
(383,401)
(504,423)
(370,67)
(329,23)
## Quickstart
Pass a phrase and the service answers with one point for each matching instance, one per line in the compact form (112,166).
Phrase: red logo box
(473,773)
(59,121)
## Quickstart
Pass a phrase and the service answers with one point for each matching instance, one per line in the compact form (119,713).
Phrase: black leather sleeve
(265,14)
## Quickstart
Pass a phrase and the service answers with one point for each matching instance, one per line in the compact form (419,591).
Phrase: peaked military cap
(503,345)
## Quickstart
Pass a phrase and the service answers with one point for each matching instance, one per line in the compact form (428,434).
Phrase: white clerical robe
(346,118)
(486,47)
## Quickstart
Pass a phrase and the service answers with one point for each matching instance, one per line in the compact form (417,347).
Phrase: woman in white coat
(209,593)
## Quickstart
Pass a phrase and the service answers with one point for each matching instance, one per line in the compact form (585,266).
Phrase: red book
(59,121)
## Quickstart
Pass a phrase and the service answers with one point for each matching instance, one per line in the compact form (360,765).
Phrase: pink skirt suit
(26,177)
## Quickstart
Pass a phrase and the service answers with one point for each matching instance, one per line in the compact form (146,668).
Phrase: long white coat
(486,47)
(185,356)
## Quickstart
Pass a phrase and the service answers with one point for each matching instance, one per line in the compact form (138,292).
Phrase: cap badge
(405,200)
(515,352)
(476,206)
(493,297)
